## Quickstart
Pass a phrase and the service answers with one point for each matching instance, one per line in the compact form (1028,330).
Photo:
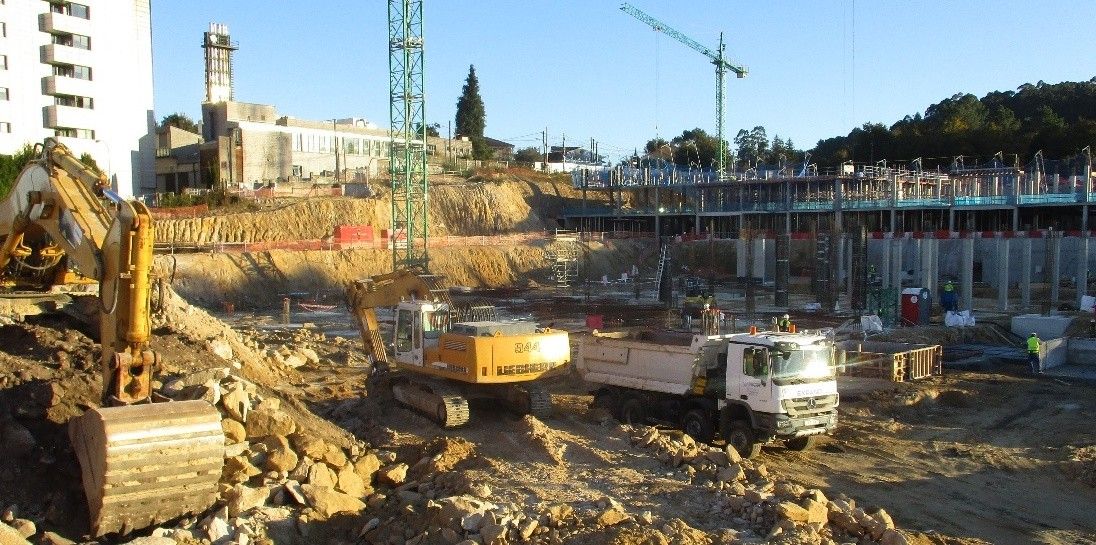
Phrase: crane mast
(722,66)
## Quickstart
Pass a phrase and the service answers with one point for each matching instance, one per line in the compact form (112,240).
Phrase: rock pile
(758,504)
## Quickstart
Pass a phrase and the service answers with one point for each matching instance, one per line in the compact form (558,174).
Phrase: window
(72,40)
(75,133)
(71,8)
(74,101)
(755,362)
(5,127)
(72,71)
(404,326)
(3,93)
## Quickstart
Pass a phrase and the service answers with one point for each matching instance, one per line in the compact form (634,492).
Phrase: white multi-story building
(81,72)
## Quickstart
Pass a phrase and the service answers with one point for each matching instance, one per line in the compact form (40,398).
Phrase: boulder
(152,540)
(233,430)
(279,456)
(18,440)
(349,482)
(236,402)
(238,469)
(221,349)
(321,475)
(48,538)
(309,355)
(392,475)
(261,423)
(327,501)
(816,511)
(11,536)
(243,498)
(367,466)
(793,512)
(294,361)
(293,489)
(308,445)
(893,537)
(611,516)
(492,533)
(334,456)
(732,454)
(731,473)
(25,527)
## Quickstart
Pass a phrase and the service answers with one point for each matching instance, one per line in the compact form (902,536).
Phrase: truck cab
(783,385)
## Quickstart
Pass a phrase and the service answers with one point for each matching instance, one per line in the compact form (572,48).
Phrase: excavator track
(540,400)
(434,398)
(146,464)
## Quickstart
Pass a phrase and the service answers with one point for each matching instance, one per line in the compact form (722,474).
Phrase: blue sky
(588,70)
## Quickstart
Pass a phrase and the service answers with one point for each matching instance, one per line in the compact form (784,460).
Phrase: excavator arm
(54,217)
(387,290)
(142,463)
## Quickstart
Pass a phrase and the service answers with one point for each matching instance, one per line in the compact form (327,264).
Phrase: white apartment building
(81,71)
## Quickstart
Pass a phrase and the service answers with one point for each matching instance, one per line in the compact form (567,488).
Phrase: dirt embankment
(486,204)
(261,279)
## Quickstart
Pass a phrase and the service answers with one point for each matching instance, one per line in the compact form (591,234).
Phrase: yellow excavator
(443,360)
(142,461)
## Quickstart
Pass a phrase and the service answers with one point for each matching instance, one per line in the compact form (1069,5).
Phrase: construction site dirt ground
(996,456)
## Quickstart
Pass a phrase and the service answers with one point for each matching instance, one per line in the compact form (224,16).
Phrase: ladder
(663,267)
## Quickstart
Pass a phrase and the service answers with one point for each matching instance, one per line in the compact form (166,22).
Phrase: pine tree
(471,117)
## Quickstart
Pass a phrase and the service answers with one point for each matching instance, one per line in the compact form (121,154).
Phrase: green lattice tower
(407,135)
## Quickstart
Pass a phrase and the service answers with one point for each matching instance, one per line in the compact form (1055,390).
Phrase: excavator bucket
(146,464)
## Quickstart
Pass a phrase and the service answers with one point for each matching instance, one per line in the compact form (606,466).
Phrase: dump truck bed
(651,360)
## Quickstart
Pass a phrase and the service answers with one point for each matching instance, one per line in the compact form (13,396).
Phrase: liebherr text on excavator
(142,462)
(443,362)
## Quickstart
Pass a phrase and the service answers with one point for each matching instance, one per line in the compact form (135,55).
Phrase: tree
(472,117)
(433,130)
(753,145)
(89,162)
(528,155)
(12,165)
(181,121)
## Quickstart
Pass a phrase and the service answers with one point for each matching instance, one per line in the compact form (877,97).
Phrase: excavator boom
(142,462)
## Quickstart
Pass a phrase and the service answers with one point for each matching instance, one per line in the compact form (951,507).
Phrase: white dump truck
(752,389)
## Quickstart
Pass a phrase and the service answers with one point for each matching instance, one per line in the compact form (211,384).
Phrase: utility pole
(449,142)
(563,156)
(335,146)
(544,141)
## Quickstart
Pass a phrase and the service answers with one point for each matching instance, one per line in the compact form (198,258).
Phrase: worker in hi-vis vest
(1033,353)
(949,300)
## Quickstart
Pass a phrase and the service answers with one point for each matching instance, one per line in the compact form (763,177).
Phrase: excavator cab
(419,325)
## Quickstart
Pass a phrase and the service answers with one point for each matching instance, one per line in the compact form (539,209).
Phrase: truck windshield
(805,364)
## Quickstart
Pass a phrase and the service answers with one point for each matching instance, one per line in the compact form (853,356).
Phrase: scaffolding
(562,255)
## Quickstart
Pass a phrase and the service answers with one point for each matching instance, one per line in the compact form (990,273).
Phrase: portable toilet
(916,306)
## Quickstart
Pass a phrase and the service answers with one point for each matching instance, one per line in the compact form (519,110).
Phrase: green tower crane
(722,66)
(407,135)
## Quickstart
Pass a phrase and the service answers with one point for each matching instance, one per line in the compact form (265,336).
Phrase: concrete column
(885,263)
(966,275)
(896,263)
(741,268)
(1054,246)
(927,280)
(1082,268)
(760,259)
(1002,273)
(848,242)
(1025,273)
(934,260)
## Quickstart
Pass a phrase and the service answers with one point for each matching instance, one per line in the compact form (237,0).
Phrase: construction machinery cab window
(755,362)
(434,323)
(404,330)
(793,363)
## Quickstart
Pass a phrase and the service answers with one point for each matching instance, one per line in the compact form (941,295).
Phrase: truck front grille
(807,406)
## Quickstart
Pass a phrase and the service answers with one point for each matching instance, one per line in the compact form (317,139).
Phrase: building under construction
(878,198)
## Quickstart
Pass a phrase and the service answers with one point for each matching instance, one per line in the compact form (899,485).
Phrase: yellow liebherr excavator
(142,462)
(443,362)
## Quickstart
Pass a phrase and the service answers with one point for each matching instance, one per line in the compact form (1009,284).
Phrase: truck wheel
(698,424)
(741,436)
(605,399)
(633,412)
(801,443)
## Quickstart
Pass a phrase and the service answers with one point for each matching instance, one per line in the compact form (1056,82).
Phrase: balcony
(59,23)
(69,117)
(61,85)
(63,54)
